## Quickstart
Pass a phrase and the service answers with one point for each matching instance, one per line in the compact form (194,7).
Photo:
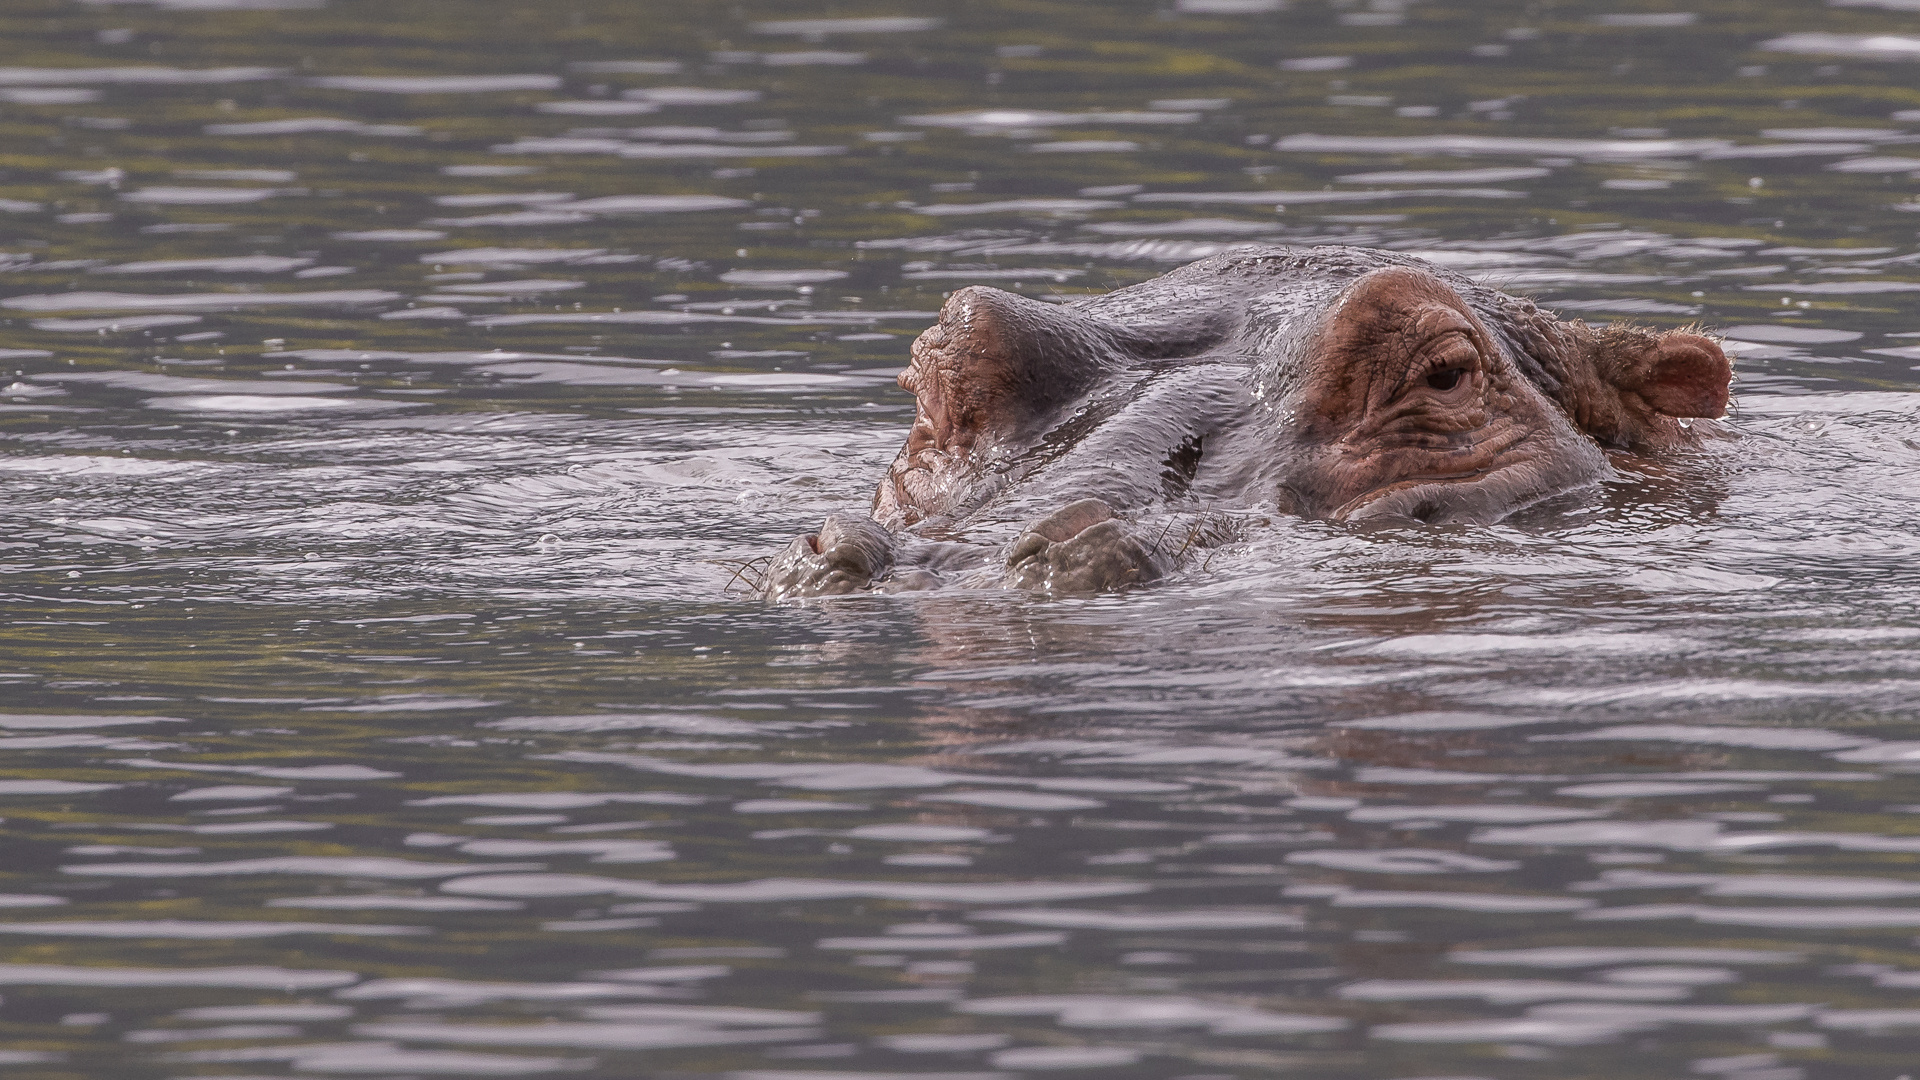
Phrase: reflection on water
(392,395)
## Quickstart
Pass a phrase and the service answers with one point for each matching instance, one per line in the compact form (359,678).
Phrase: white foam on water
(115,301)
(1838,288)
(150,1036)
(394,903)
(679,723)
(1010,119)
(654,204)
(311,125)
(448,993)
(1779,918)
(188,930)
(436,84)
(794,806)
(603,851)
(1467,145)
(1016,800)
(199,196)
(1228,7)
(379,1057)
(249,978)
(780,278)
(1544,1030)
(1446,176)
(519,287)
(511,256)
(1867,1020)
(384,236)
(68,721)
(813,58)
(275,772)
(1642,1015)
(49,95)
(1312,198)
(1503,813)
(583,1035)
(1192,920)
(507,198)
(51,787)
(942,942)
(29,900)
(1017,206)
(233,264)
(1501,991)
(1647,20)
(691,95)
(598,107)
(808,776)
(777,890)
(911,832)
(1400,861)
(244,404)
(683,973)
(1672,975)
(37,76)
(1578,956)
(559,800)
(882,24)
(1793,335)
(1084,146)
(1051,1058)
(1492,903)
(942,1044)
(1441,721)
(1851,46)
(344,866)
(266,1012)
(1152,1013)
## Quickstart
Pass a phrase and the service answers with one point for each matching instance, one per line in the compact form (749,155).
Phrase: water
(393,394)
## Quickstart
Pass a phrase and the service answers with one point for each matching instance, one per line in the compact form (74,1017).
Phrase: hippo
(1098,444)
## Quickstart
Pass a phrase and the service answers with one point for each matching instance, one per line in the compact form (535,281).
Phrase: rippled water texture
(394,391)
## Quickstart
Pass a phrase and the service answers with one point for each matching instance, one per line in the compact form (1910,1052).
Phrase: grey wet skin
(1096,445)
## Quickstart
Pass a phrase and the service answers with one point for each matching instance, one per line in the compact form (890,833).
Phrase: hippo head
(1333,383)
(1393,395)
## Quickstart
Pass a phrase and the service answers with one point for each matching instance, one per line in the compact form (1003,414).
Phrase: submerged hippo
(1095,445)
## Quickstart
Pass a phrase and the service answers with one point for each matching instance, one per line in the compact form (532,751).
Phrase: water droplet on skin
(549,542)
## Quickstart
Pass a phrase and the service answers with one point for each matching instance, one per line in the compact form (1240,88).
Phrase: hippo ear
(1629,388)
(1676,374)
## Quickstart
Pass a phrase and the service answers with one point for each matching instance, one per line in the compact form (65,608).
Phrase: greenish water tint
(393,391)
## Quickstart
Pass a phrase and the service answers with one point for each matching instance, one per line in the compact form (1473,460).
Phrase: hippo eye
(1446,378)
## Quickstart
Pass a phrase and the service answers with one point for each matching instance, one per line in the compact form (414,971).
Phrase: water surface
(393,394)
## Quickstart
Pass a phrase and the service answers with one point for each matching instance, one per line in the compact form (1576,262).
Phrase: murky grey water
(393,390)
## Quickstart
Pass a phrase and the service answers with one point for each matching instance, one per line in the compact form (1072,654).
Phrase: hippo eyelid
(1453,348)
